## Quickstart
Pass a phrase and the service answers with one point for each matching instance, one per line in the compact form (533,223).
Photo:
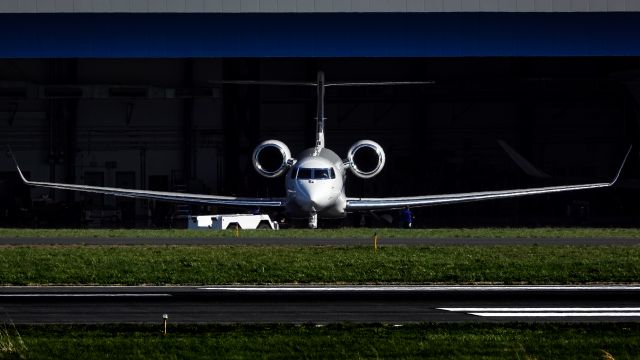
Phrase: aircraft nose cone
(313,199)
(318,202)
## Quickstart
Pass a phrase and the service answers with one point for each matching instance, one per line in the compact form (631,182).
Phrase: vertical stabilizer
(320,113)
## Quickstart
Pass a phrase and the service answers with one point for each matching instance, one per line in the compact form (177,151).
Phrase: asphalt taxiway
(320,304)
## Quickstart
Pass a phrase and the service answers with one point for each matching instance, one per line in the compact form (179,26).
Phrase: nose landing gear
(313,221)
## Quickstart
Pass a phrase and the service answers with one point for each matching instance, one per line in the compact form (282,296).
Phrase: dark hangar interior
(164,123)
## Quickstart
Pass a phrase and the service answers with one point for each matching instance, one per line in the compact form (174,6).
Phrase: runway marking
(83,295)
(418,288)
(550,312)
(558,314)
(542,309)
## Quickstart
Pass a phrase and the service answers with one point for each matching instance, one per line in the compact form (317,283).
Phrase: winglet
(17,166)
(621,166)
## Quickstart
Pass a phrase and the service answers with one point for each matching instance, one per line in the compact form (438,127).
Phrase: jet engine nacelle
(366,159)
(271,158)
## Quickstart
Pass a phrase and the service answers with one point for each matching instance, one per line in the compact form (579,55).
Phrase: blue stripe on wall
(319,35)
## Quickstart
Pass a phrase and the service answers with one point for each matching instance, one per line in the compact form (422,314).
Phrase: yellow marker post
(165,318)
(375,242)
(237,230)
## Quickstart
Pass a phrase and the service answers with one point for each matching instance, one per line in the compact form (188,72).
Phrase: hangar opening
(146,109)
(164,124)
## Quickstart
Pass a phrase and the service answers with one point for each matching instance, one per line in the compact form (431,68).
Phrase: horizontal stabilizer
(301,83)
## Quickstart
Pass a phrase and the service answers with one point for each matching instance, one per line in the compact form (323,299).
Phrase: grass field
(134,265)
(331,233)
(160,265)
(424,341)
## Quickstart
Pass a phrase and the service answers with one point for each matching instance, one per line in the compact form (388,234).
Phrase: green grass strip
(422,341)
(133,265)
(330,233)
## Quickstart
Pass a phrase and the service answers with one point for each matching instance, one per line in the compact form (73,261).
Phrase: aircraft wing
(359,204)
(160,195)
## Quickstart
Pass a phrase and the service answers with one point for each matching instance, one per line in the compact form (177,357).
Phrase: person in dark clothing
(406,218)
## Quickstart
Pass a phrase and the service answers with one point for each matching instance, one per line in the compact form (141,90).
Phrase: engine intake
(366,159)
(271,158)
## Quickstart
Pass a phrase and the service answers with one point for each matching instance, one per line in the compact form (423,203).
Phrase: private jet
(315,178)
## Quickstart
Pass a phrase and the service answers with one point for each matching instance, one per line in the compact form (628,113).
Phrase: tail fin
(320,112)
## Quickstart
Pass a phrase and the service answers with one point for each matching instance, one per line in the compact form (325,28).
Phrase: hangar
(124,93)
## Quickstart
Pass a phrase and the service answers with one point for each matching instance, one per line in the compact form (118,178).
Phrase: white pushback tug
(231,221)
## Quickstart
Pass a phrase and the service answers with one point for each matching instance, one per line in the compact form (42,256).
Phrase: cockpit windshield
(321,173)
(316,174)
(305,173)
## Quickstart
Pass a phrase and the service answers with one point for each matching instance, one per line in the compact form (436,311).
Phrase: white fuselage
(315,185)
